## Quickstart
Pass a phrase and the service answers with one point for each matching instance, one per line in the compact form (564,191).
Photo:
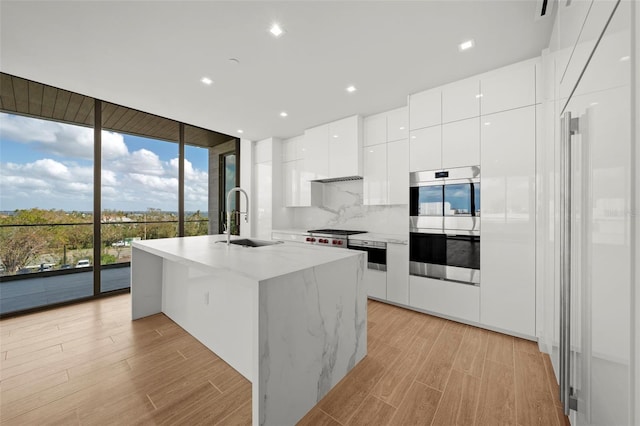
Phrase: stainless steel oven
(444,239)
(452,257)
(445,199)
(376,252)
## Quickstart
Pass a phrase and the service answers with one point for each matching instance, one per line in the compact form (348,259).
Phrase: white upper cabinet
(461,100)
(316,160)
(509,87)
(334,150)
(397,124)
(425,148)
(398,172)
(292,149)
(425,109)
(386,165)
(375,129)
(461,143)
(589,33)
(295,179)
(375,175)
(345,147)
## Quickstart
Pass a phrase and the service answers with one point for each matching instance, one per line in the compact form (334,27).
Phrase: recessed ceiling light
(240,131)
(479,95)
(351,89)
(488,123)
(335,136)
(401,127)
(625,58)
(283,114)
(206,80)
(466,45)
(276,30)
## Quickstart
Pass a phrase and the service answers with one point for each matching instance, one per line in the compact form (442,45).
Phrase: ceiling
(151,55)
(26,97)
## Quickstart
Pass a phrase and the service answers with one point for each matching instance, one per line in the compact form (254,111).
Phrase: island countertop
(290,318)
(253,263)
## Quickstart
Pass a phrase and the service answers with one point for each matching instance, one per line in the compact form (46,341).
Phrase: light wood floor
(90,364)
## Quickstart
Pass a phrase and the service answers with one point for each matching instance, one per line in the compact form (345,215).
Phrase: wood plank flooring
(90,364)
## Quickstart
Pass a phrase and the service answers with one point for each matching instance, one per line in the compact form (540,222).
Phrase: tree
(19,246)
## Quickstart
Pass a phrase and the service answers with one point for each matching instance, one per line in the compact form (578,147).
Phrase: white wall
(341,207)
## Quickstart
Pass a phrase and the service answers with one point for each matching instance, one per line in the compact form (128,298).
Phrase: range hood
(338,179)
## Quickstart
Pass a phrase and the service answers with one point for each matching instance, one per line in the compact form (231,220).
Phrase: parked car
(119,244)
(83,263)
(65,266)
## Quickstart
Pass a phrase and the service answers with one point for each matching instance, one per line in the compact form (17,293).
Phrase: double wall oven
(444,225)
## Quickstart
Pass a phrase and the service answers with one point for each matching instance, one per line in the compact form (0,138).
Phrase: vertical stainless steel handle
(567,129)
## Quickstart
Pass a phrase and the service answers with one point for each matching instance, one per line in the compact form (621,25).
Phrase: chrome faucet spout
(246,214)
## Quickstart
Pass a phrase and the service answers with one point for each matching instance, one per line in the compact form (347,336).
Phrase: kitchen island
(290,318)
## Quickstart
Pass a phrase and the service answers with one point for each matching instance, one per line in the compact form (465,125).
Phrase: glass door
(228,181)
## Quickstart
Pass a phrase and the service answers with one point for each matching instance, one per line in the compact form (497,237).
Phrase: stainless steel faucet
(246,214)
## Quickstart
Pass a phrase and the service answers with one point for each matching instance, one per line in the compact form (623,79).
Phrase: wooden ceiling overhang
(33,99)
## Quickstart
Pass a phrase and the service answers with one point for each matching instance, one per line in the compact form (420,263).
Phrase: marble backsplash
(341,207)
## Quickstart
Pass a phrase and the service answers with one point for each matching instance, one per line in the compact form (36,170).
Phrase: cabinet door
(398,172)
(375,129)
(507,263)
(376,282)
(304,184)
(461,143)
(345,147)
(461,100)
(445,298)
(289,150)
(375,175)
(425,149)
(425,109)
(397,124)
(317,151)
(398,273)
(290,181)
(594,23)
(508,88)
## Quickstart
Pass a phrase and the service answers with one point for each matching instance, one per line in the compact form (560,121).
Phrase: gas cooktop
(335,231)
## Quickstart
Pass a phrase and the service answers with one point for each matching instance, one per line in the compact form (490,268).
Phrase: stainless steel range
(330,237)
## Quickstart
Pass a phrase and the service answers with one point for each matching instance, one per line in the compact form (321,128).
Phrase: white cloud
(60,139)
(62,179)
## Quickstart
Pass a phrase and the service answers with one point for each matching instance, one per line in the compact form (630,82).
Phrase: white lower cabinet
(376,282)
(398,273)
(445,298)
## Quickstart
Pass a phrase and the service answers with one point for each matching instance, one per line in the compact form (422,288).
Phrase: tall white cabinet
(386,158)
(487,120)
(507,193)
(591,55)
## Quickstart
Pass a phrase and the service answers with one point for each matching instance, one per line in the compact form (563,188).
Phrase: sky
(49,165)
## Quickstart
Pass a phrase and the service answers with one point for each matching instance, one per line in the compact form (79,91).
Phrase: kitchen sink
(249,242)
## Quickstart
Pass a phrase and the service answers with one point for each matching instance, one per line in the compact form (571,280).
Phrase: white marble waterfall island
(290,318)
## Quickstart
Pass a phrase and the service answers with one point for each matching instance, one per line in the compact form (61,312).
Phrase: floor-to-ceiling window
(196,190)
(46,204)
(139,187)
(153,181)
